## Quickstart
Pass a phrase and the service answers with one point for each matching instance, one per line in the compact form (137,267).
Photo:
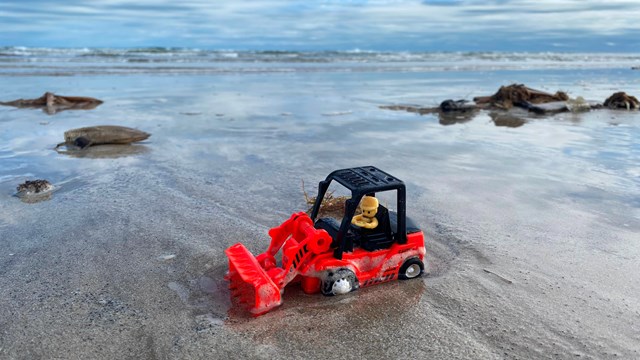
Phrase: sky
(377,25)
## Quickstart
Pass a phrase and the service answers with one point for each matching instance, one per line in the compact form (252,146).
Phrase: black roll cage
(362,181)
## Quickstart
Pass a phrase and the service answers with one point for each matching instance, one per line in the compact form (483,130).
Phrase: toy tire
(339,282)
(411,269)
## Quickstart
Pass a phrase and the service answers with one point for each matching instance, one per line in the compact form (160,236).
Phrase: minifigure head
(369,206)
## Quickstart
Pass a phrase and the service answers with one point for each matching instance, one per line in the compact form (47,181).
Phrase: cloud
(329,24)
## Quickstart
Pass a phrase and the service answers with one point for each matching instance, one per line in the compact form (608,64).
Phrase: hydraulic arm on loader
(257,281)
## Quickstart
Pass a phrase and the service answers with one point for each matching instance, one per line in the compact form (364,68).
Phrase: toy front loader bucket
(249,282)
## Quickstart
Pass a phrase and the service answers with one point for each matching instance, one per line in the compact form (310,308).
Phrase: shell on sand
(105,134)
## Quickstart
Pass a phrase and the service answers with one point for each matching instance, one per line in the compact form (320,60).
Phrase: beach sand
(532,232)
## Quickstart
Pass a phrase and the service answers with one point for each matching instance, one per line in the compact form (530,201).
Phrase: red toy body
(326,258)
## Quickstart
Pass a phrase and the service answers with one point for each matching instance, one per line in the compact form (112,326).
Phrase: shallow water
(552,205)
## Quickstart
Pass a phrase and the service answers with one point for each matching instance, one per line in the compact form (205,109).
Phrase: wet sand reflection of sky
(240,124)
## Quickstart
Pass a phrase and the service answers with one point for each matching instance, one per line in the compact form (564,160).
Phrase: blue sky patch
(383,25)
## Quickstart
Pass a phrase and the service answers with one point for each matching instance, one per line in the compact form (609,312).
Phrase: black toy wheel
(411,269)
(339,282)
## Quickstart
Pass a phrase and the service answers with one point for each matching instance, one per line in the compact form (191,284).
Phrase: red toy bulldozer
(328,256)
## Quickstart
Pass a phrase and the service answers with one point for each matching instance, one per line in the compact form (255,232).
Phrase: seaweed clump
(332,206)
(519,95)
(621,100)
(52,103)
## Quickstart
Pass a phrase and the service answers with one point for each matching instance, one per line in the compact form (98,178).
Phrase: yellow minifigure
(367,219)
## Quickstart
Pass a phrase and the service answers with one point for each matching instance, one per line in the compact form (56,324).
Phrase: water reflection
(507,119)
(456,117)
(519,194)
(512,118)
(35,198)
(392,299)
(104,151)
(54,109)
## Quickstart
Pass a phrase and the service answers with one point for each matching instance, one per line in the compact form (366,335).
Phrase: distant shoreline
(25,61)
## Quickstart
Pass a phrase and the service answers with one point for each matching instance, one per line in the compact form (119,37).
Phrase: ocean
(85,61)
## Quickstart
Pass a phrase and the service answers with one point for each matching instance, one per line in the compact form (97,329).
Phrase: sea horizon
(57,61)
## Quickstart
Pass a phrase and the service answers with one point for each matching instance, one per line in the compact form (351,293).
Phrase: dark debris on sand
(621,100)
(34,187)
(519,96)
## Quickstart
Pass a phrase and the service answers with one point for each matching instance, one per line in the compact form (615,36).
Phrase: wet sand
(532,232)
